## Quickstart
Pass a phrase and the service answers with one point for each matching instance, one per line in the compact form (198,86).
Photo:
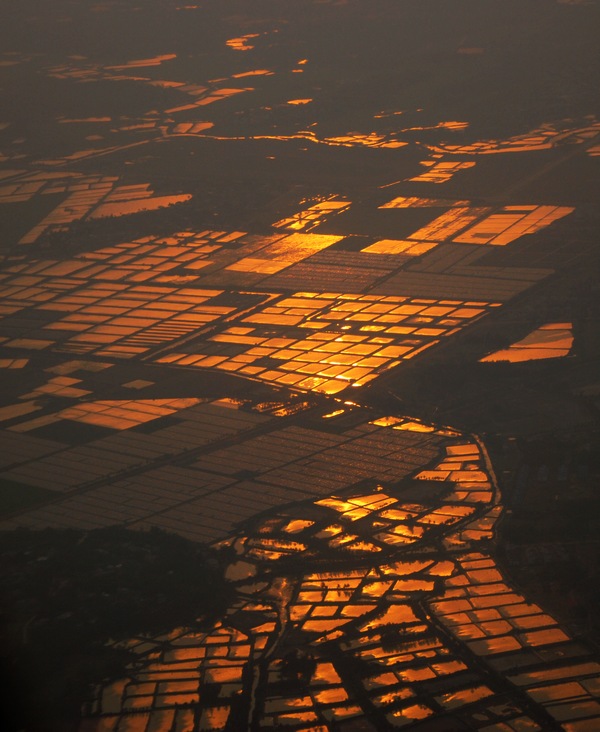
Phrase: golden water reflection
(403,629)
(339,340)
(511,223)
(314,215)
(440,172)
(243,43)
(545,137)
(553,340)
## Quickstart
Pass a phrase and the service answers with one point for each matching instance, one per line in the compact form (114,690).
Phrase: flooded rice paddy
(225,242)
(334,621)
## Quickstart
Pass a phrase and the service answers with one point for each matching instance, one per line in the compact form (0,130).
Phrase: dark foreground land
(70,596)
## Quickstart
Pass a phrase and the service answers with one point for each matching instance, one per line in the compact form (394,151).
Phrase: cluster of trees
(67,593)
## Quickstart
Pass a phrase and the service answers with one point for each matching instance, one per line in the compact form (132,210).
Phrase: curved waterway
(382,602)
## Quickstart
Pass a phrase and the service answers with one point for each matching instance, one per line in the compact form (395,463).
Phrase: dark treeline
(67,593)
